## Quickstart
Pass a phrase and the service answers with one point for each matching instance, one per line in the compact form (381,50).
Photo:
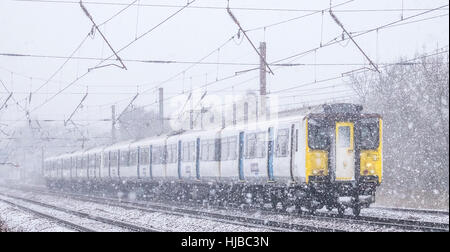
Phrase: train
(329,157)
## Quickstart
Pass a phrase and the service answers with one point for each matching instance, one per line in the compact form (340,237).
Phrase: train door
(150,162)
(270,154)
(293,141)
(138,162)
(197,159)
(345,151)
(241,156)
(179,158)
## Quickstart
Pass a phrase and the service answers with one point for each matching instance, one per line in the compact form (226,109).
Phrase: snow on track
(89,224)
(20,221)
(157,220)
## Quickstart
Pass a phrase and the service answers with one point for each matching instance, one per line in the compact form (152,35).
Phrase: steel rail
(117,223)
(59,221)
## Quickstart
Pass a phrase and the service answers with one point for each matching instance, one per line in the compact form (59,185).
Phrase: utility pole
(262,79)
(113,125)
(161,109)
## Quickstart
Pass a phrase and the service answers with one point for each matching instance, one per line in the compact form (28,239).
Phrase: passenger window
(91,161)
(233,148)
(174,153)
(144,156)
(211,150)
(185,153)
(204,150)
(124,158)
(344,136)
(261,145)
(114,159)
(251,146)
(369,135)
(192,151)
(318,135)
(225,149)
(106,160)
(282,149)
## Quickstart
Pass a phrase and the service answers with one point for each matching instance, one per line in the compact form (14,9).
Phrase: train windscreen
(318,135)
(370,134)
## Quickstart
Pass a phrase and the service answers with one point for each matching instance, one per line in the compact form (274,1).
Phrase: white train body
(337,152)
(213,155)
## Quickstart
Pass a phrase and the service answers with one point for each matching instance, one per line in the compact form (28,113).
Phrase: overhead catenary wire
(387,25)
(4,104)
(265,27)
(314,49)
(104,38)
(118,51)
(263,58)
(13,98)
(358,34)
(118,13)
(354,42)
(342,75)
(220,8)
(62,66)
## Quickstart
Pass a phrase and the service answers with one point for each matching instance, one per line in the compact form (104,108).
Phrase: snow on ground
(387,213)
(183,223)
(97,226)
(337,224)
(19,221)
(157,220)
(169,222)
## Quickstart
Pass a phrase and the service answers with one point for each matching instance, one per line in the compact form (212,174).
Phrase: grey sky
(58,28)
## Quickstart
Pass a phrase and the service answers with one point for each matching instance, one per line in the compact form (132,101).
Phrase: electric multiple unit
(331,158)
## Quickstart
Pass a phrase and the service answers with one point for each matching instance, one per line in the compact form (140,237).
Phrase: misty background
(48,47)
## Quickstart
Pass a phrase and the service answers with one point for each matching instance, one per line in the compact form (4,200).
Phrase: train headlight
(370,163)
(317,163)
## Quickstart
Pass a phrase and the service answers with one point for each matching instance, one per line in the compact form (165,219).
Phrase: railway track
(410,225)
(51,218)
(126,226)
(171,210)
(382,222)
(407,225)
(412,210)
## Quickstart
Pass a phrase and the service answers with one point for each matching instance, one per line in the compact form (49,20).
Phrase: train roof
(298,115)
(118,146)
(94,150)
(148,141)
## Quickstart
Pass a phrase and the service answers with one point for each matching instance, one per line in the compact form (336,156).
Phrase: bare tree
(414,101)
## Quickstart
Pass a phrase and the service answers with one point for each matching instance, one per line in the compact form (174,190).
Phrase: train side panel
(172,158)
(284,150)
(229,164)
(158,168)
(188,157)
(209,160)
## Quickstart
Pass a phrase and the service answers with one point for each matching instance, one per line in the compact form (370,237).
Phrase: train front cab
(344,159)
